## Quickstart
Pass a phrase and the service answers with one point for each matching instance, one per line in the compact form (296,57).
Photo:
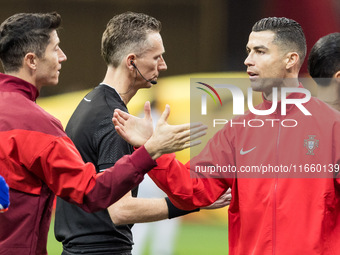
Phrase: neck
(330,94)
(282,83)
(116,78)
(23,75)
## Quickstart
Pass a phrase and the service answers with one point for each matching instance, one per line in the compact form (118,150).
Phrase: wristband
(175,212)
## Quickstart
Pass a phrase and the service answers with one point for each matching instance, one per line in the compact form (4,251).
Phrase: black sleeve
(111,147)
(175,212)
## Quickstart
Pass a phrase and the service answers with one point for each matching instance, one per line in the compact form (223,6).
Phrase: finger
(121,114)
(201,130)
(193,137)
(117,119)
(165,115)
(188,126)
(197,135)
(194,130)
(196,124)
(120,132)
(191,144)
(114,121)
(117,124)
(147,110)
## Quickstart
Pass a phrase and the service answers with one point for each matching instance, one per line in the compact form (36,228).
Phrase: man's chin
(148,85)
(256,85)
(52,83)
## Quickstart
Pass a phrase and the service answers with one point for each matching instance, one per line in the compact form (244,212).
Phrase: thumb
(147,110)
(165,114)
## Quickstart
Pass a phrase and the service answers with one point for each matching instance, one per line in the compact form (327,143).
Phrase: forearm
(130,210)
(116,181)
(61,167)
(184,191)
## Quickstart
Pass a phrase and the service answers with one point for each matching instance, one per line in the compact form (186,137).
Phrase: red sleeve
(65,173)
(185,185)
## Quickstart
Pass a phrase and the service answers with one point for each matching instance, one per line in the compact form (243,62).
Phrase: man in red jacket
(281,213)
(37,159)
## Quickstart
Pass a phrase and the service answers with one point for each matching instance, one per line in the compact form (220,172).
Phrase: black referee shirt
(92,131)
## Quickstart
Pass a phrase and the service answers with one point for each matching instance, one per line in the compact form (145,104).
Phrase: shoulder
(318,107)
(29,116)
(102,100)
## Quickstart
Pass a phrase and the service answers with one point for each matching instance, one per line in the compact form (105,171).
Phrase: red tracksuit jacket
(37,159)
(283,213)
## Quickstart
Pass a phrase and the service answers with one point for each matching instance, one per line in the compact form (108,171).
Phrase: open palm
(134,130)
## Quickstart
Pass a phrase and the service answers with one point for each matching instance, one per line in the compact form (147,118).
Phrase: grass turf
(193,238)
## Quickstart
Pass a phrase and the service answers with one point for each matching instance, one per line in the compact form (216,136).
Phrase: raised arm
(165,139)
(172,176)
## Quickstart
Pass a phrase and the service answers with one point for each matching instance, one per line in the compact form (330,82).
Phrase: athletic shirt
(92,131)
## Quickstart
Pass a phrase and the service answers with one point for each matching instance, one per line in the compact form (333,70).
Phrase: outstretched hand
(164,139)
(134,130)
(171,138)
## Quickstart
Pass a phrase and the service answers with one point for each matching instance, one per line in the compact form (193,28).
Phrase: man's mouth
(252,75)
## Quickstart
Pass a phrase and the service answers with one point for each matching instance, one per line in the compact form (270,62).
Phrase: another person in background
(324,67)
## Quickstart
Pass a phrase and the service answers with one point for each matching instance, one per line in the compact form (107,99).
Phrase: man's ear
(337,75)
(292,60)
(30,60)
(130,61)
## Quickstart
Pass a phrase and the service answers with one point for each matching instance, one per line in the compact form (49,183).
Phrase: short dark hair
(127,32)
(23,33)
(288,33)
(324,58)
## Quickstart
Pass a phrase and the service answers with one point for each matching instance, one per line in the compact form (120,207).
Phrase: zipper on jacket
(275,188)
(274,216)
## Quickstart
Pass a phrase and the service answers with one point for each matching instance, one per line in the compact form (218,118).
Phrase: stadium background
(202,39)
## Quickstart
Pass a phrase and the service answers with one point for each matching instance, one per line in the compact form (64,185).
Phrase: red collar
(268,104)
(10,83)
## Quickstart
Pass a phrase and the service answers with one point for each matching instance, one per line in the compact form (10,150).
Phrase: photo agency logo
(204,97)
(281,99)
